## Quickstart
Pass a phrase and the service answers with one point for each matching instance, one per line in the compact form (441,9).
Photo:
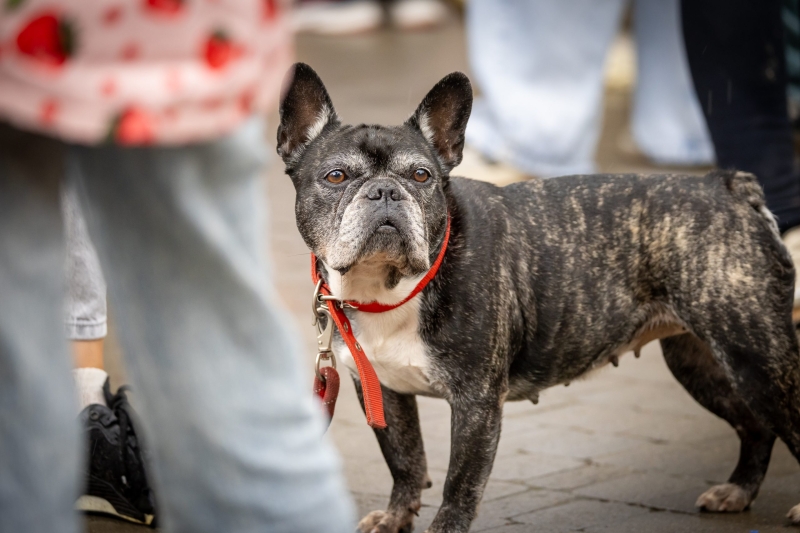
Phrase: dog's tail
(744,185)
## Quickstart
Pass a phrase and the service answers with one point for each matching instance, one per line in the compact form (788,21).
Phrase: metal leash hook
(323,357)
(326,382)
(324,334)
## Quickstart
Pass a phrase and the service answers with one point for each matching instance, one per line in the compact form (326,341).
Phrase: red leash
(370,385)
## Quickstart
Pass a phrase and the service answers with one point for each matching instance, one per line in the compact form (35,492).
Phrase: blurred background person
(349,17)
(149,111)
(539,66)
(736,52)
(790,14)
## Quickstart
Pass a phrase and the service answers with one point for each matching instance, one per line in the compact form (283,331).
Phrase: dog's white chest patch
(390,339)
(392,344)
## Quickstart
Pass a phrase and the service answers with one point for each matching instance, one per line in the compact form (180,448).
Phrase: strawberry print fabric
(139,71)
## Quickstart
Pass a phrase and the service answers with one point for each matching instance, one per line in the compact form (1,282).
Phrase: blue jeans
(228,413)
(539,65)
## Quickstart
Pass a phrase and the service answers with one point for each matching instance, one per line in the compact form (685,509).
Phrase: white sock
(89,384)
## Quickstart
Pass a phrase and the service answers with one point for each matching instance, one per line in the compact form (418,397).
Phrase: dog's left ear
(305,110)
(442,117)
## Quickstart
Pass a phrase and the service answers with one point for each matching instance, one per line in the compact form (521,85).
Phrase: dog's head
(371,193)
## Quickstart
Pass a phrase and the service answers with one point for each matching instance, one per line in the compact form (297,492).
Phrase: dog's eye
(335,176)
(421,175)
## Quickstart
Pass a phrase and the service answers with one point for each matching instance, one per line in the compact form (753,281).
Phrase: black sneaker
(116,479)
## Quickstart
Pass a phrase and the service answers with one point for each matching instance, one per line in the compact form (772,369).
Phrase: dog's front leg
(475,431)
(401,444)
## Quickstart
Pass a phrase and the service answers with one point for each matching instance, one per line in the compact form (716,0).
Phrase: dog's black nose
(384,191)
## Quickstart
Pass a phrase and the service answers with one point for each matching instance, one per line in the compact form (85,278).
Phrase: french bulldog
(542,282)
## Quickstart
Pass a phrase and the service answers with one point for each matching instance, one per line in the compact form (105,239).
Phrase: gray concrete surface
(627,450)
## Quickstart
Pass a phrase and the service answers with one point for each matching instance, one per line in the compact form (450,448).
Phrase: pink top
(139,71)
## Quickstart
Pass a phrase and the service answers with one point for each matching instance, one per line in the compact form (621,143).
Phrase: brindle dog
(542,282)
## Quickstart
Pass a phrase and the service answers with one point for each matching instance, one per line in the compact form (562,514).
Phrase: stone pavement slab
(578,514)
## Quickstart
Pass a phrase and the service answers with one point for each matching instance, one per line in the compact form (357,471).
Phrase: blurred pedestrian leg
(666,120)
(539,66)
(236,438)
(39,454)
(85,304)
(85,315)
(736,54)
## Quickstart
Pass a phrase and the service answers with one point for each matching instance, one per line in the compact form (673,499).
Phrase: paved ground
(627,450)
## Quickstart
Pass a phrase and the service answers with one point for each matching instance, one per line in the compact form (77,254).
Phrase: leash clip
(323,356)
(320,303)
(324,340)
(324,334)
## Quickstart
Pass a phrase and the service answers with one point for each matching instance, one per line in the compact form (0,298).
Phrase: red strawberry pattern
(130,52)
(269,9)
(119,71)
(47,39)
(246,101)
(164,7)
(170,113)
(48,111)
(134,126)
(219,50)
(112,15)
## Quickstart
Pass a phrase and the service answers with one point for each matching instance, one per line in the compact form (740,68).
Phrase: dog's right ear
(305,110)
(442,117)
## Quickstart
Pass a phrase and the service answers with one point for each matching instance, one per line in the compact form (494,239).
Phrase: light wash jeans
(235,436)
(85,313)
(539,65)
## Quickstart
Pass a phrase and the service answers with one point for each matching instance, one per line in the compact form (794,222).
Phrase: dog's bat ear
(442,117)
(305,110)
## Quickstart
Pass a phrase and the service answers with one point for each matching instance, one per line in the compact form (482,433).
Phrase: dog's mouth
(387,240)
(389,237)
(388,227)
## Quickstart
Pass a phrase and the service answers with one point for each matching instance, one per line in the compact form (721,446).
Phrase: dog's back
(595,261)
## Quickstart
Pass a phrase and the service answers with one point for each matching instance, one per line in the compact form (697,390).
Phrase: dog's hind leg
(401,444)
(759,351)
(694,366)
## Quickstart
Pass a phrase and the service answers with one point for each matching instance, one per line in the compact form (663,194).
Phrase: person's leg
(85,320)
(539,66)
(735,50)
(666,121)
(235,435)
(39,453)
(88,353)
(86,315)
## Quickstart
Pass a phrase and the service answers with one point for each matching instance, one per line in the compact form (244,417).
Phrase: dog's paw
(369,523)
(384,522)
(794,514)
(725,498)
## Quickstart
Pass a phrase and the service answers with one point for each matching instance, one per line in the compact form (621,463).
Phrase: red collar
(370,385)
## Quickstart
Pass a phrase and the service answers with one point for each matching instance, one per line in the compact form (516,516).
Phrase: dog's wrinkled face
(371,193)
